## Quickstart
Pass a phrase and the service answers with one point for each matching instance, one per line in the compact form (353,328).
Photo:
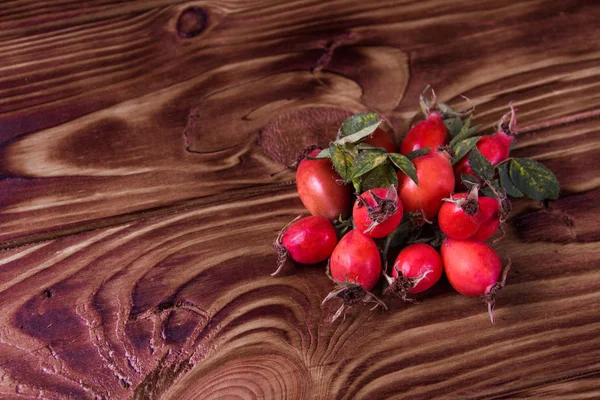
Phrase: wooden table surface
(143,153)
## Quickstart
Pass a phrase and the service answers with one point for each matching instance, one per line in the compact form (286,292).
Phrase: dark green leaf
(356,123)
(368,147)
(342,158)
(466,131)
(469,180)
(418,153)
(435,240)
(463,147)
(382,176)
(480,165)
(360,135)
(454,125)
(405,165)
(506,183)
(324,154)
(400,234)
(342,226)
(445,109)
(533,179)
(487,191)
(366,161)
(357,183)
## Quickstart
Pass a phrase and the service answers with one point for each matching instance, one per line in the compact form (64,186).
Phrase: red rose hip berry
(431,133)
(380,138)
(417,268)
(307,240)
(436,181)
(356,259)
(473,269)
(355,266)
(495,148)
(321,189)
(490,219)
(459,216)
(377,212)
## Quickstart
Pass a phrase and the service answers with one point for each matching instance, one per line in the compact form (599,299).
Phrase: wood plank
(94,112)
(585,387)
(174,307)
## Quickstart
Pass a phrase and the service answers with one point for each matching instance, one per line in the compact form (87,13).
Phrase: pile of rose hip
(446,192)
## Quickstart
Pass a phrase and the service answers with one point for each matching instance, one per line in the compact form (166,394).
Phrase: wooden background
(143,147)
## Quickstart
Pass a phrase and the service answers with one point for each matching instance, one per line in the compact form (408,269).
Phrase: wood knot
(284,137)
(191,22)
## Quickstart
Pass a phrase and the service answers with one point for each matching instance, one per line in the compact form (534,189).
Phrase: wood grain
(143,153)
(113,112)
(175,308)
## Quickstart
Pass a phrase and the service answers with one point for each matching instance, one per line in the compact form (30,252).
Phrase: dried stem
(490,297)
(282,253)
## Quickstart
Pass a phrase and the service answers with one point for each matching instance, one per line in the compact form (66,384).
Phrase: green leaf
(360,135)
(487,191)
(445,109)
(506,183)
(342,158)
(357,183)
(533,179)
(356,123)
(480,165)
(469,180)
(325,153)
(382,176)
(463,147)
(400,234)
(368,147)
(418,153)
(454,125)
(366,161)
(405,165)
(466,131)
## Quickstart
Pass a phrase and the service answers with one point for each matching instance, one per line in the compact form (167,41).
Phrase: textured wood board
(138,204)
(94,109)
(176,307)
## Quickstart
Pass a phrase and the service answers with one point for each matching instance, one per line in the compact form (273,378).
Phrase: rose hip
(430,133)
(417,268)
(377,212)
(436,181)
(459,216)
(307,240)
(321,189)
(380,138)
(490,219)
(473,269)
(495,148)
(355,265)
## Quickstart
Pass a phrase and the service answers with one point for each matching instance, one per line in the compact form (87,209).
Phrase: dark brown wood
(143,154)
(109,92)
(174,307)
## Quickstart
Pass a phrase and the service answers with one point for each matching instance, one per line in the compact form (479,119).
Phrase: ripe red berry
(436,181)
(321,189)
(494,147)
(355,265)
(377,212)
(421,264)
(356,259)
(490,219)
(460,217)
(430,133)
(307,240)
(473,269)
(380,138)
